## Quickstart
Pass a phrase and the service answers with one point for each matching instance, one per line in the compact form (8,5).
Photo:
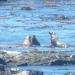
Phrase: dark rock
(62,17)
(72,56)
(2,68)
(70,73)
(3,0)
(27,72)
(24,64)
(26,8)
(63,62)
(2,61)
(35,73)
(2,64)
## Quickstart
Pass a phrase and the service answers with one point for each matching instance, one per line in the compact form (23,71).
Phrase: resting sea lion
(55,41)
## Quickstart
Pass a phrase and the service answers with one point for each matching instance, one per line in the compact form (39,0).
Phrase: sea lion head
(53,35)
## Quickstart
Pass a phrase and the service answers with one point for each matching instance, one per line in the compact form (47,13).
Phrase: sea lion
(55,41)
(28,41)
(35,41)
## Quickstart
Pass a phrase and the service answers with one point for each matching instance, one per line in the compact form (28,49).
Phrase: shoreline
(38,58)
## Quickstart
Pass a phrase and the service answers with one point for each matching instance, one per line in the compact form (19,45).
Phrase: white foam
(12,52)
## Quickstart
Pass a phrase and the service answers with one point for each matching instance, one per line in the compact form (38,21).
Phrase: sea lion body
(35,41)
(28,41)
(55,41)
(31,41)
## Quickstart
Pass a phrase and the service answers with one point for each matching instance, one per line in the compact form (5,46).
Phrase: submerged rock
(62,17)
(26,8)
(3,0)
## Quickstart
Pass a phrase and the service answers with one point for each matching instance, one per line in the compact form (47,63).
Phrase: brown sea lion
(31,41)
(28,41)
(55,41)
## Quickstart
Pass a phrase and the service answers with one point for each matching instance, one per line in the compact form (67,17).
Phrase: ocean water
(50,70)
(16,24)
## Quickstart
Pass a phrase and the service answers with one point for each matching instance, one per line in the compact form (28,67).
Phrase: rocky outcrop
(43,58)
(38,58)
(3,0)
(70,73)
(2,64)
(28,72)
(63,62)
(26,8)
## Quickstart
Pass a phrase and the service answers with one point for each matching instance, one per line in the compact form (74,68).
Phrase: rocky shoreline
(29,72)
(37,58)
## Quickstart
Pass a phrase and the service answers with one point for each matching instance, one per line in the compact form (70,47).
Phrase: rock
(72,56)
(63,62)
(36,58)
(62,17)
(29,73)
(26,8)
(2,64)
(2,61)
(3,0)
(2,68)
(24,64)
(36,73)
(70,73)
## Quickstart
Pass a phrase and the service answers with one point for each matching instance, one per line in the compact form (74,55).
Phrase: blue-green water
(15,24)
(50,70)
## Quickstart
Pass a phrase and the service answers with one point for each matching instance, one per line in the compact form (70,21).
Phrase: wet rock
(70,73)
(59,62)
(3,0)
(2,64)
(29,73)
(26,8)
(36,73)
(37,58)
(72,56)
(63,62)
(24,64)
(62,17)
